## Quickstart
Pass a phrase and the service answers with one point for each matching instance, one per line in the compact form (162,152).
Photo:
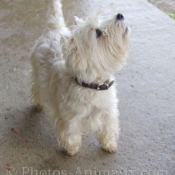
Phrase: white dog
(72,76)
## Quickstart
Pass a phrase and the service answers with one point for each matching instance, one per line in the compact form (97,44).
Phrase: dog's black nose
(119,17)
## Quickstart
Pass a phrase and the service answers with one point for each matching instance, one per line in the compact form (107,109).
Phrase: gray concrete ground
(168,6)
(146,89)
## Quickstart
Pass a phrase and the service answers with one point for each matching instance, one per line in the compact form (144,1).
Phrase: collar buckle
(102,84)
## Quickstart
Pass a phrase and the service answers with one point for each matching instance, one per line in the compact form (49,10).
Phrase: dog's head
(96,49)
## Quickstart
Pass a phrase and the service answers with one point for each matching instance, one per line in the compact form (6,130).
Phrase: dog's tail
(55,15)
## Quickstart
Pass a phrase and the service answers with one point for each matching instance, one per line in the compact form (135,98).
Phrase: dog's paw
(38,107)
(110,147)
(72,151)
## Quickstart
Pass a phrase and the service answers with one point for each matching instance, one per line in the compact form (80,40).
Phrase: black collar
(103,86)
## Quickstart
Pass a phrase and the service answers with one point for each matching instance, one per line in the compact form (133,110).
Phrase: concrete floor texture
(146,89)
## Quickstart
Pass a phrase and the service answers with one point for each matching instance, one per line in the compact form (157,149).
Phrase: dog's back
(47,50)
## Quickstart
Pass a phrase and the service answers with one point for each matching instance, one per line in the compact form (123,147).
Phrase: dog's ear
(68,47)
(66,42)
(78,20)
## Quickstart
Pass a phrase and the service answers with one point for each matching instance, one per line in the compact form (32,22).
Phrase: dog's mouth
(126,31)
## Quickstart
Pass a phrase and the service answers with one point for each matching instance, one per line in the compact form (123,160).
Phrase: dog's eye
(98,33)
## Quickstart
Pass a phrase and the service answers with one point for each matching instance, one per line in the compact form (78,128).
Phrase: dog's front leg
(109,133)
(69,137)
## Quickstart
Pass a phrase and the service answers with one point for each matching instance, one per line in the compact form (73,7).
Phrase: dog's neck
(95,72)
(92,78)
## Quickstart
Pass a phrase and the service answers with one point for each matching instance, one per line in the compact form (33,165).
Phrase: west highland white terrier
(72,76)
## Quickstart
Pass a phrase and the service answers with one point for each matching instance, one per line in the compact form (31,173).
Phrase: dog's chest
(98,99)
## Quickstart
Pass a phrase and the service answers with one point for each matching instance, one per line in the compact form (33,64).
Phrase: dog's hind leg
(35,96)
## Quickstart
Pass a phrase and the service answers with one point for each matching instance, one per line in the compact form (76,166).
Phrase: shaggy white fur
(91,51)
